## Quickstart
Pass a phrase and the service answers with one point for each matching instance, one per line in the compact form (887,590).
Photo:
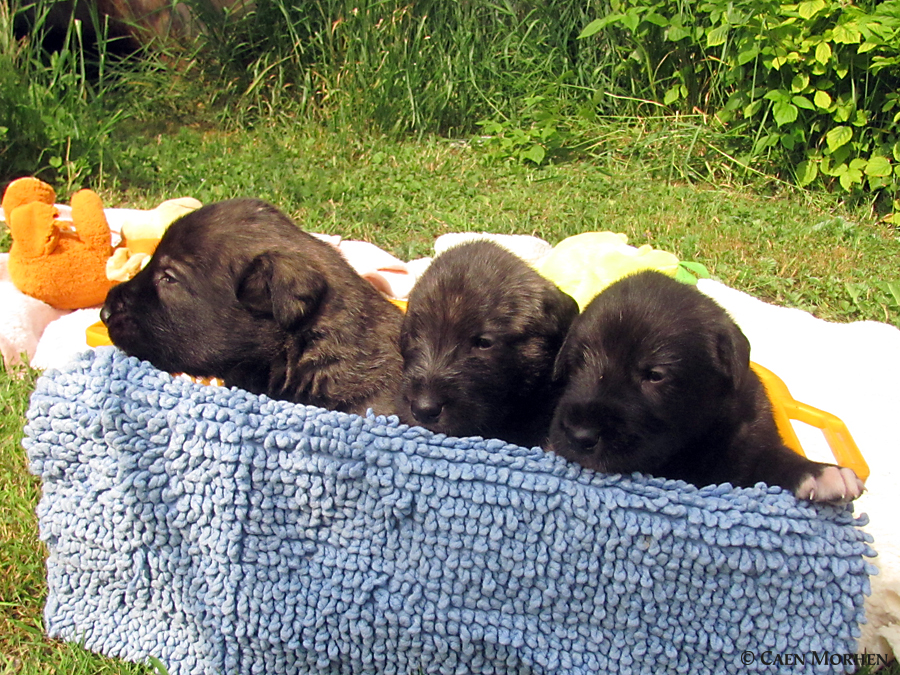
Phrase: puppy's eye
(165,277)
(483,342)
(654,375)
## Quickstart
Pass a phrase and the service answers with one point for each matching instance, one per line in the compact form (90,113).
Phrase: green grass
(782,245)
(23,648)
(21,557)
(423,67)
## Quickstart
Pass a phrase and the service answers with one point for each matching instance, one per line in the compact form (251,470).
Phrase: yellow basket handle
(785,408)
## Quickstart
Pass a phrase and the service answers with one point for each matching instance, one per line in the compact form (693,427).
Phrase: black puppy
(657,380)
(479,339)
(237,291)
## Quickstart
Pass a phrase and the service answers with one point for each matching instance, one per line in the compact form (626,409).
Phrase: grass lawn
(787,247)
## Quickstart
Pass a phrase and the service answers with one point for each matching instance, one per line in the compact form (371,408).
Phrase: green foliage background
(804,92)
(811,85)
(55,116)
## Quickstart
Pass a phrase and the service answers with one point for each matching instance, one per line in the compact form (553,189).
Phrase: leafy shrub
(812,85)
(539,133)
(53,120)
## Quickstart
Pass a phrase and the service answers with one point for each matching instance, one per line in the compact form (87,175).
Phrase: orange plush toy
(61,265)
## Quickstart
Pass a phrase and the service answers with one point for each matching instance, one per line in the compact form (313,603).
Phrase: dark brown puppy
(479,339)
(657,380)
(237,291)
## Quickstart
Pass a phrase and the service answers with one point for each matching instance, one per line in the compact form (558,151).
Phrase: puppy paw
(833,484)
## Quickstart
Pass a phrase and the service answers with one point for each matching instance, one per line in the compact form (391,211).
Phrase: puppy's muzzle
(114,306)
(580,435)
(426,408)
(106,314)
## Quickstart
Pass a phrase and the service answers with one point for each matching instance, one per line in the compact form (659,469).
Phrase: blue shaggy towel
(224,532)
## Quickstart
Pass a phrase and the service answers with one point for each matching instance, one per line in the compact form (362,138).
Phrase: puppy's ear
(404,337)
(732,350)
(561,363)
(284,287)
(561,308)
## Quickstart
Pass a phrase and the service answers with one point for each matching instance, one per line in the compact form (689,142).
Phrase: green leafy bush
(539,133)
(53,117)
(812,86)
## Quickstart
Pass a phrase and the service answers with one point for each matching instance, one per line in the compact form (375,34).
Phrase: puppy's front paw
(833,484)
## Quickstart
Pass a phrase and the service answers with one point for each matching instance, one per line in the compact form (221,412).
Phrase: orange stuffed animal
(64,267)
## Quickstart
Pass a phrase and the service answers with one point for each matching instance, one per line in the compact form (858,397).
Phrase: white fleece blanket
(849,370)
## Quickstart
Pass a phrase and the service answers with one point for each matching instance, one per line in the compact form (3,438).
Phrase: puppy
(657,380)
(479,339)
(236,290)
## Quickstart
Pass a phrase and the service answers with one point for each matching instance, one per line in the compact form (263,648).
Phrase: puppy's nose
(585,437)
(426,409)
(112,305)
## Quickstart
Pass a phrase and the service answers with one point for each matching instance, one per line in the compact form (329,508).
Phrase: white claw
(834,484)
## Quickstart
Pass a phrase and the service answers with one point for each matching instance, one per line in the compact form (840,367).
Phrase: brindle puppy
(657,380)
(235,290)
(479,339)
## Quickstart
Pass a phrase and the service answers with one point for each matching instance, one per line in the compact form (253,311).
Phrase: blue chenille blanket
(224,532)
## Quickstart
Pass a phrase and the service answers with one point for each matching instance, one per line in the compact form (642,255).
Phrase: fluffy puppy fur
(657,380)
(479,339)
(236,290)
